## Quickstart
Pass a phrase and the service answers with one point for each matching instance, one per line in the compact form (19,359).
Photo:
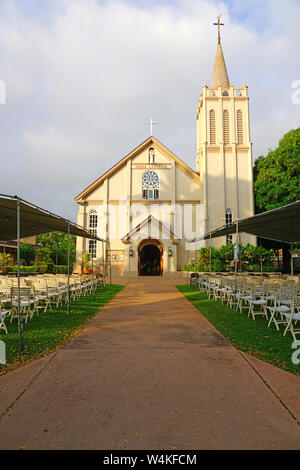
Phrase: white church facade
(150,205)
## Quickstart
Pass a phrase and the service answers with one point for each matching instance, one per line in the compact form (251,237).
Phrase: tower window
(212,127)
(228,221)
(226,127)
(240,137)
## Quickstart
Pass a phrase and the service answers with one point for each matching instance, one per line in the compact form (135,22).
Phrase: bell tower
(224,150)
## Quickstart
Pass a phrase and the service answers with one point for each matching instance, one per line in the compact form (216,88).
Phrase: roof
(281,224)
(145,222)
(33,220)
(132,154)
(220,75)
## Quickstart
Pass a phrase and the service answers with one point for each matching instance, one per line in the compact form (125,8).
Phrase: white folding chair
(3,314)
(277,311)
(293,316)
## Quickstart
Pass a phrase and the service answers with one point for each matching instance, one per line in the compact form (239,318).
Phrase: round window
(150,179)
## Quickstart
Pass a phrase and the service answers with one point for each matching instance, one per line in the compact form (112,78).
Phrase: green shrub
(61,269)
(217,266)
(220,260)
(50,267)
(43,267)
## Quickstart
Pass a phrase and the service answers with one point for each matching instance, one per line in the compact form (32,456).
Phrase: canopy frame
(50,222)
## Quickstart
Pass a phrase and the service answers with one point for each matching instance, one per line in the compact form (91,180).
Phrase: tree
(5,260)
(277,176)
(27,253)
(54,247)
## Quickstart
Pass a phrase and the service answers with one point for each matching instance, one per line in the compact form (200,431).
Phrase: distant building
(11,246)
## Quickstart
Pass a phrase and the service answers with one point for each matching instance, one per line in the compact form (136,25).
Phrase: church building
(150,205)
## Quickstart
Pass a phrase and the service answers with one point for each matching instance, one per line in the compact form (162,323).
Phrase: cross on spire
(219,24)
(151,126)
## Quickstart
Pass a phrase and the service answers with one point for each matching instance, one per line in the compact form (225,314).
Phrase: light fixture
(170,252)
(130,252)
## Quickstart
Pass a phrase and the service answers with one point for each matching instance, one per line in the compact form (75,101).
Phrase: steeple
(220,75)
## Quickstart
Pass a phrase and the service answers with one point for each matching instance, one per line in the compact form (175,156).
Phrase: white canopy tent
(20,219)
(281,224)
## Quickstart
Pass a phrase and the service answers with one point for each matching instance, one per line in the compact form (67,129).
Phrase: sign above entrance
(162,166)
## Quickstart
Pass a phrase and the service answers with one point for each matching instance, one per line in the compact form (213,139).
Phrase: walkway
(149,372)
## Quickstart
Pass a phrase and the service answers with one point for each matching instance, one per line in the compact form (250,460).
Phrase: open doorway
(150,260)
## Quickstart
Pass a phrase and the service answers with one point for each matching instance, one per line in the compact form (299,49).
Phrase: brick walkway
(149,372)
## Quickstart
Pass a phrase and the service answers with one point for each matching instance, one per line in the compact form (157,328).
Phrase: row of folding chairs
(40,294)
(277,301)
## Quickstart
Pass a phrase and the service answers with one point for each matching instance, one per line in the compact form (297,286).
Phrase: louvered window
(226,127)
(228,221)
(212,126)
(240,136)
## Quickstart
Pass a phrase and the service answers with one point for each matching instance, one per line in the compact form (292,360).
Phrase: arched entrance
(150,258)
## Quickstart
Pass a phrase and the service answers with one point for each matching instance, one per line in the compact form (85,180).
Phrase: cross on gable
(151,126)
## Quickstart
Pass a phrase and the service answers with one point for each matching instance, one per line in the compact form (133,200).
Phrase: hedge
(49,268)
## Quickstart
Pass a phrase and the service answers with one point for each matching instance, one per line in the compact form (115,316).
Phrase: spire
(220,75)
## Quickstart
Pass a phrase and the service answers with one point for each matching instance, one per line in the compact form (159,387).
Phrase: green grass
(251,336)
(49,331)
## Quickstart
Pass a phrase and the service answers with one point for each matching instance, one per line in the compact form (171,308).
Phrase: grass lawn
(49,331)
(248,335)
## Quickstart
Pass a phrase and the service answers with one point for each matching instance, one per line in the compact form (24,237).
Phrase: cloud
(83,77)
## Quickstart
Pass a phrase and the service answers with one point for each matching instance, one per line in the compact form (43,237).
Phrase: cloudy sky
(82,78)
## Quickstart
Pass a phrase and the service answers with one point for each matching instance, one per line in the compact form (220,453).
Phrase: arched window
(93,225)
(226,127)
(93,220)
(150,185)
(225,93)
(212,127)
(228,221)
(240,136)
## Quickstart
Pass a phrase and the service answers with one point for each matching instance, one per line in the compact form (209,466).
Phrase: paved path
(149,372)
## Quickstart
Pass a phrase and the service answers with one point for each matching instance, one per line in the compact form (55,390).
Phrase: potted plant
(5,260)
(86,259)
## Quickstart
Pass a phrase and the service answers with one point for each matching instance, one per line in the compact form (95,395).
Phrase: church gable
(151,154)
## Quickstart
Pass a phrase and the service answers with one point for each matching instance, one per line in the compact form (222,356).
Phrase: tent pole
(109,262)
(93,287)
(292,261)
(235,263)
(210,252)
(103,264)
(187,271)
(69,300)
(20,314)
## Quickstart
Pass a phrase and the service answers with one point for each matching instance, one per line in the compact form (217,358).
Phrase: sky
(82,78)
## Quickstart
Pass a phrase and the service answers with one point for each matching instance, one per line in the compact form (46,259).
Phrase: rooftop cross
(151,126)
(219,24)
